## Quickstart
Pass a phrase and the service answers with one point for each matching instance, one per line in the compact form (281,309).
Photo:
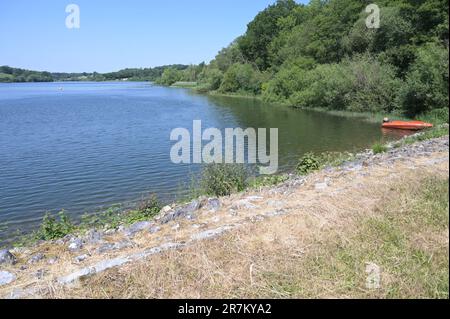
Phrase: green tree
(426,86)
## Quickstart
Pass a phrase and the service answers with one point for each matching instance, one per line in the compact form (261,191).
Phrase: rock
(6,278)
(166,209)
(154,229)
(207,234)
(7,258)
(52,260)
(176,227)
(40,273)
(105,248)
(81,258)
(99,267)
(253,198)
(36,258)
(243,204)
(213,204)
(114,246)
(184,211)
(123,244)
(75,244)
(93,237)
(321,186)
(192,206)
(136,228)
(110,232)
(275,203)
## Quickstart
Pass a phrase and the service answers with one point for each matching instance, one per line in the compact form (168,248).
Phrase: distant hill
(9,74)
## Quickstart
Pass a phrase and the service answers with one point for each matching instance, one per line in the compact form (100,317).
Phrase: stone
(75,244)
(81,258)
(123,244)
(184,211)
(93,237)
(114,246)
(36,258)
(136,228)
(243,204)
(105,248)
(321,186)
(176,227)
(110,232)
(253,198)
(275,203)
(40,273)
(154,229)
(6,278)
(7,258)
(213,204)
(211,233)
(166,209)
(52,260)
(99,267)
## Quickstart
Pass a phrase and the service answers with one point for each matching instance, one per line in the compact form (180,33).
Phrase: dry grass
(319,250)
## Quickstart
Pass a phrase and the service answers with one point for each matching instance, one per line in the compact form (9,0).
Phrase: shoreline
(113,244)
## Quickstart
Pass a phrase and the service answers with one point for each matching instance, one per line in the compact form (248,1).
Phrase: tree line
(323,55)
(9,74)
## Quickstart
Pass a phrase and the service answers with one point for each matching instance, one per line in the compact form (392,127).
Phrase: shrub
(223,179)
(359,84)
(241,77)
(308,163)
(210,79)
(379,148)
(54,228)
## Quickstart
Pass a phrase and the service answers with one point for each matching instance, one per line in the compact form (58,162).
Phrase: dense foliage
(322,55)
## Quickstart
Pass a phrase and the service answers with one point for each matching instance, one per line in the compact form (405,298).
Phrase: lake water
(86,146)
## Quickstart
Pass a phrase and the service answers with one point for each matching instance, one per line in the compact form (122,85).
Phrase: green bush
(54,228)
(223,179)
(309,162)
(269,180)
(379,148)
(360,84)
(426,86)
(170,76)
(210,79)
(241,77)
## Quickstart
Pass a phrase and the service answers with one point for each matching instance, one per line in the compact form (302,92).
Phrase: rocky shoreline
(32,271)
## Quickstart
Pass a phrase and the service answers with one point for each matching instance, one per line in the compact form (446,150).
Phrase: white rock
(6,278)
(211,233)
(321,186)
(166,209)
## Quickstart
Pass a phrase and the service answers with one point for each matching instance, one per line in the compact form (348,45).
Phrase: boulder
(75,244)
(36,258)
(7,258)
(6,278)
(93,237)
(136,228)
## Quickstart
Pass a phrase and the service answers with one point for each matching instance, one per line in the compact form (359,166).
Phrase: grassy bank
(400,228)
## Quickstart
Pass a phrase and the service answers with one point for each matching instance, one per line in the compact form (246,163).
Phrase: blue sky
(118,34)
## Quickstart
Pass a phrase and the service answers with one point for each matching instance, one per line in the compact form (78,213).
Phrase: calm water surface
(86,146)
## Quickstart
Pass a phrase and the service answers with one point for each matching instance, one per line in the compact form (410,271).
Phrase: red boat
(407,125)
